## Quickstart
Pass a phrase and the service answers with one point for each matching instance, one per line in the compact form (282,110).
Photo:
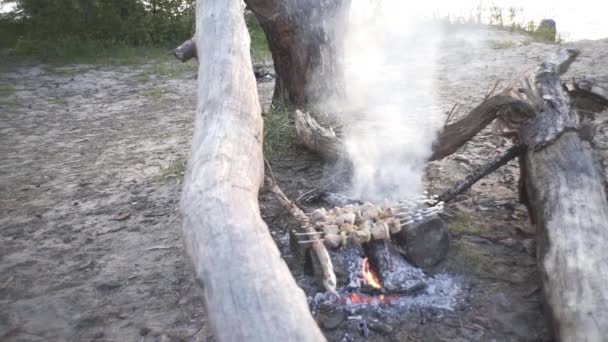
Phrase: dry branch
(329,277)
(481,172)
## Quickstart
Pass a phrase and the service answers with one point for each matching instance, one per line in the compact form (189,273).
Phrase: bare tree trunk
(303,37)
(566,194)
(248,289)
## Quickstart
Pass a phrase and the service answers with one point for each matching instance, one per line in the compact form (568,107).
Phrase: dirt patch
(90,244)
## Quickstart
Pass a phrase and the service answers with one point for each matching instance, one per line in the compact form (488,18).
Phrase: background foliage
(53,30)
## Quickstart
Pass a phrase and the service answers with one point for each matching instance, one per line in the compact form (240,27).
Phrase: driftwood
(186,51)
(317,138)
(567,199)
(249,292)
(315,238)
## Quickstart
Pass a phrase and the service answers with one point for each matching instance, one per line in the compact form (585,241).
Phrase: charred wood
(481,172)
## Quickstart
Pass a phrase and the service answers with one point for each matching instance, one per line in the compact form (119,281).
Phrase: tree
(304,39)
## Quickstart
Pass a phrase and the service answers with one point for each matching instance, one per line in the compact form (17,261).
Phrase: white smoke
(390,110)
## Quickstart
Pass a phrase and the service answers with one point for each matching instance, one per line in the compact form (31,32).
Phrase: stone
(425,243)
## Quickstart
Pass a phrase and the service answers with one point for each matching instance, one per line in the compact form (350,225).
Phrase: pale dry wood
(186,51)
(323,258)
(316,137)
(249,292)
(566,193)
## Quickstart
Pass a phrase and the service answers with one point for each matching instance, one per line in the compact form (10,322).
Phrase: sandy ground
(92,158)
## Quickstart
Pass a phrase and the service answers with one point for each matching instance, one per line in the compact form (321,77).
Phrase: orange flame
(370,277)
(363,299)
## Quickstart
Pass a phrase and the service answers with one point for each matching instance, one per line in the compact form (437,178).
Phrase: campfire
(369,254)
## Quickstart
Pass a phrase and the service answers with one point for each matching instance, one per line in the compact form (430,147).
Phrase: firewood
(186,51)
(481,172)
(329,277)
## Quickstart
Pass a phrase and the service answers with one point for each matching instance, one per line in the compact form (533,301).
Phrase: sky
(581,19)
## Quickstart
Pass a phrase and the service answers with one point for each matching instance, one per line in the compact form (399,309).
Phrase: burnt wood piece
(248,290)
(396,274)
(481,172)
(186,51)
(425,243)
(567,198)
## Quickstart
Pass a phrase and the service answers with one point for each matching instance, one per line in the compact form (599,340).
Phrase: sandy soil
(92,159)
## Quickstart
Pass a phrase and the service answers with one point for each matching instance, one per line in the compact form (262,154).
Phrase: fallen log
(248,290)
(317,138)
(567,198)
(186,51)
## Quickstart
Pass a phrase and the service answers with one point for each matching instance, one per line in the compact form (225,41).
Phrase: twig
(490,92)
(481,172)
(451,114)
(329,277)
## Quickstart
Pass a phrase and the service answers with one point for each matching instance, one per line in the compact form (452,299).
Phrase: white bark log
(568,201)
(248,289)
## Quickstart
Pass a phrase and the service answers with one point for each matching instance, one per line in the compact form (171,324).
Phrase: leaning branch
(481,172)
(329,277)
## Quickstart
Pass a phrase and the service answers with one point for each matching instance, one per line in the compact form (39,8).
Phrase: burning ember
(372,280)
(364,299)
(369,276)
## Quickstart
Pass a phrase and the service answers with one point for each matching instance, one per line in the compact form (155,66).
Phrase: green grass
(259,43)
(171,70)
(506,19)
(74,50)
(154,92)
(501,44)
(6,91)
(279,132)
(475,261)
(175,170)
(78,51)
(465,224)
(8,103)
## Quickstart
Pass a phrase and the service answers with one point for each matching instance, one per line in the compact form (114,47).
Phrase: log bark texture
(303,37)
(566,193)
(248,289)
